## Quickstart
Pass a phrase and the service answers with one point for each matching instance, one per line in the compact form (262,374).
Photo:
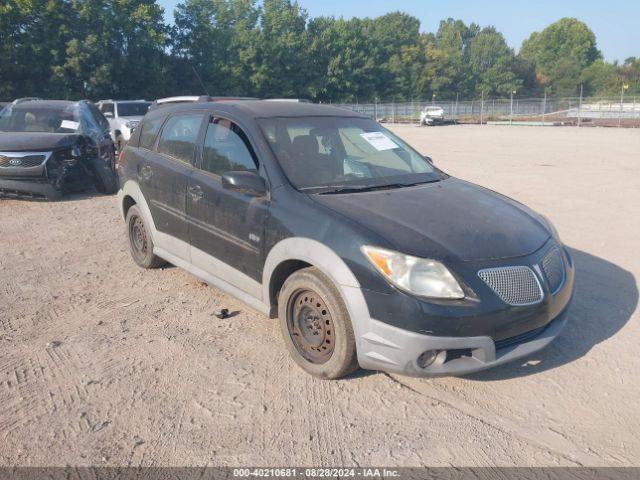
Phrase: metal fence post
(544,105)
(621,105)
(511,110)
(580,107)
(481,107)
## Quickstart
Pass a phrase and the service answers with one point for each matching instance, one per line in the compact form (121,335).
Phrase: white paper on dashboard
(379,141)
(69,125)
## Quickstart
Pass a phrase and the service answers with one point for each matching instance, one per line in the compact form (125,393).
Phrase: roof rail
(299,100)
(160,102)
(25,99)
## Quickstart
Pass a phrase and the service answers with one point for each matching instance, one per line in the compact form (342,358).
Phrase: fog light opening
(427,358)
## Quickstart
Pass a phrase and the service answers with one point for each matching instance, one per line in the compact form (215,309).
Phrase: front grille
(553,268)
(517,339)
(18,160)
(514,285)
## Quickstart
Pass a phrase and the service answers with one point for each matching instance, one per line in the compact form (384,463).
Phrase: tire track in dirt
(553,444)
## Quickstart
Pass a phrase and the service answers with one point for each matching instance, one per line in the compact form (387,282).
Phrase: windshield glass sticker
(69,125)
(379,141)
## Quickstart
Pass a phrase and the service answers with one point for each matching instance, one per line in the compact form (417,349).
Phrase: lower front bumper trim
(27,189)
(392,349)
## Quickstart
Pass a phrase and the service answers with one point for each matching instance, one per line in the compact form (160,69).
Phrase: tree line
(273,48)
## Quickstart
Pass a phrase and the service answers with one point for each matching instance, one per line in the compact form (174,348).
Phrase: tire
(310,303)
(140,241)
(105,178)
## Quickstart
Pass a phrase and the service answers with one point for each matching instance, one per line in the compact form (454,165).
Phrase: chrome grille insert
(516,286)
(23,159)
(553,268)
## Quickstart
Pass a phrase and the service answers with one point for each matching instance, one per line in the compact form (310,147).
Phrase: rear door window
(149,131)
(179,136)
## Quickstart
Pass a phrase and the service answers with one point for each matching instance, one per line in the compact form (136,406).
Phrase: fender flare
(328,262)
(132,189)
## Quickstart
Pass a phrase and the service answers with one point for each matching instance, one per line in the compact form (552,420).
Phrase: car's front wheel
(140,241)
(105,179)
(316,325)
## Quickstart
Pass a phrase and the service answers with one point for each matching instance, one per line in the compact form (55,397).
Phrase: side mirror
(246,182)
(108,115)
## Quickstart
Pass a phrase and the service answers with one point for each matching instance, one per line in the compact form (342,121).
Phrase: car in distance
(368,255)
(52,147)
(123,117)
(431,115)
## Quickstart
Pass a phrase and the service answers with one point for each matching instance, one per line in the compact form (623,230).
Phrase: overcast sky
(615,22)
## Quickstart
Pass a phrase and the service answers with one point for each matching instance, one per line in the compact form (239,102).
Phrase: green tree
(448,55)
(113,48)
(493,64)
(278,54)
(33,37)
(343,64)
(561,53)
(211,40)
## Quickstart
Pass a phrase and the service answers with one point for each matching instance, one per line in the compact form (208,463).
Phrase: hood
(450,220)
(35,141)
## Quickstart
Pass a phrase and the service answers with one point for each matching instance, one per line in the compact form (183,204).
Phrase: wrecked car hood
(35,141)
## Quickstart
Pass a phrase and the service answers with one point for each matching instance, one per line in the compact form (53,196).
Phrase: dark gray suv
(366,252)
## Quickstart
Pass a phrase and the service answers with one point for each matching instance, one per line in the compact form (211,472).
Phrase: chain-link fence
(534,111)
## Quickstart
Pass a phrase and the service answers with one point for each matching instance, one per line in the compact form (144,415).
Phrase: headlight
(419,276)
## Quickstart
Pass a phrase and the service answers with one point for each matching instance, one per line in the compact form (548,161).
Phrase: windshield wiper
(369,188)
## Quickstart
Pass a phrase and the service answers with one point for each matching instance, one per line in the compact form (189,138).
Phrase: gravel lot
(102,363)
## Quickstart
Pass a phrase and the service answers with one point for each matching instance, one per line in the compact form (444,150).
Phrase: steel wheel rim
(138,236)
(310,326)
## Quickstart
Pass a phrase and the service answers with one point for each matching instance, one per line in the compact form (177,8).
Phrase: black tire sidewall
(147,260)
(106,181)
(343,360)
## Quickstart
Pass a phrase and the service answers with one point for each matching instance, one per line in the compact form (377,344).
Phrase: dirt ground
(102,363)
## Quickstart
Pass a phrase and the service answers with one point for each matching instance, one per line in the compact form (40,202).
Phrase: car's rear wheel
(316,326)
(140,241)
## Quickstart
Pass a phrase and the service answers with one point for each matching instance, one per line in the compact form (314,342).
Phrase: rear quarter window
(179,136)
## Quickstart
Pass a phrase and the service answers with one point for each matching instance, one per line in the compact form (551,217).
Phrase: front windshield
(38,118)
(339,153)
(133,109)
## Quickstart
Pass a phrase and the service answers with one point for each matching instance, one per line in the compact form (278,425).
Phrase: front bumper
(395,350)
(469,335)
(33,189)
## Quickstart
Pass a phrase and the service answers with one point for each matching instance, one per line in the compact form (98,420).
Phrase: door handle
(195,193)
(145,172)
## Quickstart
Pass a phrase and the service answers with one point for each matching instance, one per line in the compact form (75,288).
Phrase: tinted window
(99,118)
(179,135)
(226,148)
(133,109)
(148,132)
